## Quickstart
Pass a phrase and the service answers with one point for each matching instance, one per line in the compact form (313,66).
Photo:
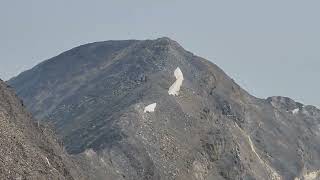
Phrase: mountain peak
(165,42)
(152,110)
(164,38)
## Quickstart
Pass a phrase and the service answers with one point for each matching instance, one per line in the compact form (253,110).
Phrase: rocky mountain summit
(152,110)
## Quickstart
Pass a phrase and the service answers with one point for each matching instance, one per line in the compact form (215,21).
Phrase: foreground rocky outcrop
(28,150)
(152,110)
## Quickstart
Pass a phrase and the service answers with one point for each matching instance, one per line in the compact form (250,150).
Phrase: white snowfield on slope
(150,108)
(173,90)
(175,87)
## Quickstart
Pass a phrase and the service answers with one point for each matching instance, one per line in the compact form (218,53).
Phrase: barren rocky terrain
(200,125)
(29,150)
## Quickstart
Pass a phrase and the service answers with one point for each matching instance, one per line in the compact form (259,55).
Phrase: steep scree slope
(28,150)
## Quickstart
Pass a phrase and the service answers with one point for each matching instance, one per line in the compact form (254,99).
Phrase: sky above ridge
(268,47)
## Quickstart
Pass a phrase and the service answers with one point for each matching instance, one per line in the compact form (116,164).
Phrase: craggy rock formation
(95,96)
(27,149)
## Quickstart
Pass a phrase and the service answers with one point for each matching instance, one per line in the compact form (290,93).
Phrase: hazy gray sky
(269,47)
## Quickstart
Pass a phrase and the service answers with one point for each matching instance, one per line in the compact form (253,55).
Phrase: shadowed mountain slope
(198,124)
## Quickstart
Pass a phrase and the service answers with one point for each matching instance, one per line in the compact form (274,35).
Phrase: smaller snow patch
(295,111)
(150,107)
(48,162)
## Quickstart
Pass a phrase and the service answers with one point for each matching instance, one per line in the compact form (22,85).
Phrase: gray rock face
(28,150)
(95,96)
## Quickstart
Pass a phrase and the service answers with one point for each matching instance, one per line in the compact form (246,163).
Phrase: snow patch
(175,87)
(150,107)
(48,162)
(295,111)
